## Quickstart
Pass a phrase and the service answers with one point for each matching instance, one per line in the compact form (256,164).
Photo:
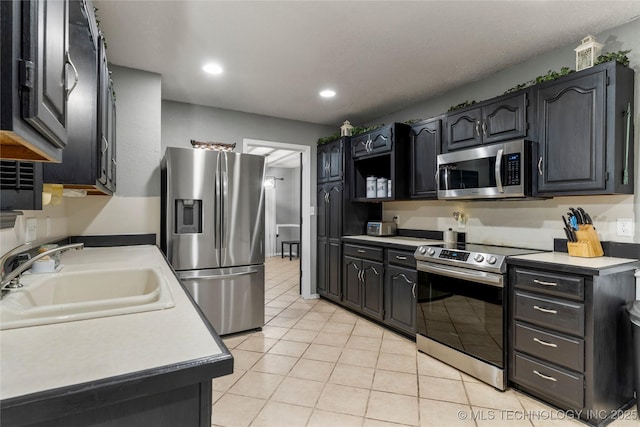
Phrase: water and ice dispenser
(188,216)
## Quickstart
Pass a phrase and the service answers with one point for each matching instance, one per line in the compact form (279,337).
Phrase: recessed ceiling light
(328,93)
(212,68)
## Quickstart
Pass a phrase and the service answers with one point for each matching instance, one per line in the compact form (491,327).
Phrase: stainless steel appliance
(460,307)
(488,172)
(213,232)
(381,228)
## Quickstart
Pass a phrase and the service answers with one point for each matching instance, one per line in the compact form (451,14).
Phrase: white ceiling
(379,56)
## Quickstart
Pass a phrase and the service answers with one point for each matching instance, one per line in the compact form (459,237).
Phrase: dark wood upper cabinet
(501,119)
(330,161)
(38,75)
(585,132)
(381,153)
(425,144)
(89,158)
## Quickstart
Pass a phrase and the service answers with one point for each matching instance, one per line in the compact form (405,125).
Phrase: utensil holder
(588,244)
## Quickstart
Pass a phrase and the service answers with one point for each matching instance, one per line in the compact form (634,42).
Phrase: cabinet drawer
(560,315)
(365,252)
(562,350)
(402,258)
(552,284)
(553,382)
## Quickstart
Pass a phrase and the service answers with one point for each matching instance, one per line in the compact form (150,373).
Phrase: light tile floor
(316,364)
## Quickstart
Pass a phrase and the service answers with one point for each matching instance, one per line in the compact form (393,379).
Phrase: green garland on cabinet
(619,56)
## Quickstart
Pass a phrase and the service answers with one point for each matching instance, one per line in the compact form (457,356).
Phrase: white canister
(382,188)
(389,189)
(371,187)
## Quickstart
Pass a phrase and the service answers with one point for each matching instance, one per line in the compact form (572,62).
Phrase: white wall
(531,223)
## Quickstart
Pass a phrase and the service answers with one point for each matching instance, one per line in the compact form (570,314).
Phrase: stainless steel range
(461,315)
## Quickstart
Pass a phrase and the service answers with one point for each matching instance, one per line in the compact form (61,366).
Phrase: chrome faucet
(11,280)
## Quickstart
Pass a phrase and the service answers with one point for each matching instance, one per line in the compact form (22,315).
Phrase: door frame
(305,212)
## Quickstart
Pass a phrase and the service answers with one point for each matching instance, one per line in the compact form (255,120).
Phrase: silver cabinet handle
(540,166)
(105,144)
(484,127)
(75,72)
(545,310)
(374,270)
(478,127)
(547,344)
(361,275)
(540,282)
(413,290)
(361,251)
(406,279)
(401,257)
(546,377)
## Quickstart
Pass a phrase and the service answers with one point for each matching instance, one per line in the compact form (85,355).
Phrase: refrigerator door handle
(216,220)
(222,276)
(224,185)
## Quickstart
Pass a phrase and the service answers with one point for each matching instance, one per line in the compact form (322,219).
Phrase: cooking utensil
(578,215)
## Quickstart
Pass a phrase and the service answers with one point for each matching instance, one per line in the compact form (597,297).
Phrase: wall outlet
(624,227)
(396,219)
(32,228)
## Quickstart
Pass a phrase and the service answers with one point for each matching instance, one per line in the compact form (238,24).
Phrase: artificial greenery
(357,130)
(461,105)
(619,56)
(551,75)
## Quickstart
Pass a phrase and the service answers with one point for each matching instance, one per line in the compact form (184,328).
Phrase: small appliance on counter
(381,228)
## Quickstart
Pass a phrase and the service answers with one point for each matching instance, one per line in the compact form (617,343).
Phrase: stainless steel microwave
(493,171)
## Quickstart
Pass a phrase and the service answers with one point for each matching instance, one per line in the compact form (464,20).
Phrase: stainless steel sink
(79,295)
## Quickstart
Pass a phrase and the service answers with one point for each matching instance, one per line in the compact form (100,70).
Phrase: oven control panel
(449,254)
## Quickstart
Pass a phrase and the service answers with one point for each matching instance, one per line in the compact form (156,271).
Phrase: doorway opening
(286,165)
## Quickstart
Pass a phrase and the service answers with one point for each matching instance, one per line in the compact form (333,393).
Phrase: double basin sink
(85,294)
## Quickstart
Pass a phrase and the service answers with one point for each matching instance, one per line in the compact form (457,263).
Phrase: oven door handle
(490,279)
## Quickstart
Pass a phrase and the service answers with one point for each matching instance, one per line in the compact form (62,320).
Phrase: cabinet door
(45,60)
(425,147)
(334,211)
(360,146)
(111,139)
(322,267)
(322,206)
(103,111)
(334,288)
(400,298)
(505,119)
(373,289)
(381,140)
(335,162)
(463,129)
(571,116)
(351,283)
(322,174)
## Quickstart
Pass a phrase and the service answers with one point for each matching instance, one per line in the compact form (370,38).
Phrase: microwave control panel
(512,168)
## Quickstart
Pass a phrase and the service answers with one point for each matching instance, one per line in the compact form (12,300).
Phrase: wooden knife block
(588,244)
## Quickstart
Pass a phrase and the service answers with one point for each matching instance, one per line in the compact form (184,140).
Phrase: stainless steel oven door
(462,309)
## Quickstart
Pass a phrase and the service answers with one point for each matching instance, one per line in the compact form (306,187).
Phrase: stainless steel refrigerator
(213,232)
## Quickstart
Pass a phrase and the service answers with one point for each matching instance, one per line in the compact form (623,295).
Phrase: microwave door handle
(498,170)
(437,178)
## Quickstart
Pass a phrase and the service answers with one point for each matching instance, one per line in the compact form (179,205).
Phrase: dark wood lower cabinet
(570,337)
(400,298)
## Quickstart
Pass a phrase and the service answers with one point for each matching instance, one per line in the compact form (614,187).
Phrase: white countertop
(565,259)
(39,358)
(397,240)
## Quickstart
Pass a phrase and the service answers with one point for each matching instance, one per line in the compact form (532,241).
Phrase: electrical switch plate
(624,227)
(32,227)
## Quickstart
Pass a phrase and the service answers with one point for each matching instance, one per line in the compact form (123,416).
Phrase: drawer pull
(401,257)
(545,310)
(545,377)
(548,344)
(540,282)
(361,251)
